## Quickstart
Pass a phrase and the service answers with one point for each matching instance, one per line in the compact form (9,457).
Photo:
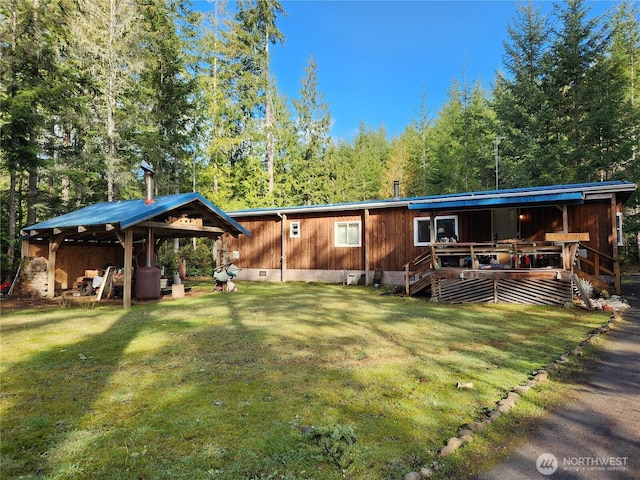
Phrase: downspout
(366,247)
(283,247)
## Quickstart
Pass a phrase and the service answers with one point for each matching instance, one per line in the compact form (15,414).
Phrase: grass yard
(228,386)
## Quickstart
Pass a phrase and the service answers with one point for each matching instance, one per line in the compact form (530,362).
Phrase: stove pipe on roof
(148,180)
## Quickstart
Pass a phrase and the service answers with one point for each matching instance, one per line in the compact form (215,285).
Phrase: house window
(294,230)
(446,228)
(347,234)
(619,228)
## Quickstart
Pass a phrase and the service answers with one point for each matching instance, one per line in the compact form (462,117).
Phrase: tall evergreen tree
(625,50)
(286,149)
(357,169)
(519,100)
(106,35)
(572,86)
(413,149)
(217,112)
(245,77)
(461,145)
(313,120)
(35,89)
(162,99)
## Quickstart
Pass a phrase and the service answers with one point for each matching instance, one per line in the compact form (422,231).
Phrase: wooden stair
(598,266)
(418,274)
(596,282)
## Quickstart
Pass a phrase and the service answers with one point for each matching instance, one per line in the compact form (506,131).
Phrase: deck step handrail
(599,269)
(417,268)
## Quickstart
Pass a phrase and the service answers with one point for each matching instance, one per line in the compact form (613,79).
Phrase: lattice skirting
(530,291)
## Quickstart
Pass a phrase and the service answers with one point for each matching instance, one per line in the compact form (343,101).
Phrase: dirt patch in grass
(12,303)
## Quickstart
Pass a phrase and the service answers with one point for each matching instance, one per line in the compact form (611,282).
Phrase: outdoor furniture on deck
(506,271)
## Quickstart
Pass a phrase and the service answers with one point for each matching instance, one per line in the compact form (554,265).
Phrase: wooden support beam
(181,227)
(54,245)
(128,268)
(121,239)
(435,262)
(432,227)
(51,272)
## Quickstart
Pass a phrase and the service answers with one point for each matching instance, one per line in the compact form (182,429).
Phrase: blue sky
(376,57)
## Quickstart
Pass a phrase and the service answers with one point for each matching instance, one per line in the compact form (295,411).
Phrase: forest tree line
(91,88)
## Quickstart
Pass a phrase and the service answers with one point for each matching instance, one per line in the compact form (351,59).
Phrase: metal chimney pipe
(150,248)
(396,189)
(148,180)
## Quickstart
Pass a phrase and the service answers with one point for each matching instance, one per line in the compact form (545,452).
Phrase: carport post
(128,266)
(54,244)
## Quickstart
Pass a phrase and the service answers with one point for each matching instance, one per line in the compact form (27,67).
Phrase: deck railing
(500,255)
(511,255)
(599,265)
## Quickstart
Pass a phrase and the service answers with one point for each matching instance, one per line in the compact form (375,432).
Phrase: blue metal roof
(128,213)
(571,198)
(481,199)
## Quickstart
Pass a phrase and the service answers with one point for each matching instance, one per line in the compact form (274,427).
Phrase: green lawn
(227,386)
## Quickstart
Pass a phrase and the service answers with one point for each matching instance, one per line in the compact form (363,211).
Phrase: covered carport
(148,221)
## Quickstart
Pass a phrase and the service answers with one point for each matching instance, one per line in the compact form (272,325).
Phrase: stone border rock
(465,434)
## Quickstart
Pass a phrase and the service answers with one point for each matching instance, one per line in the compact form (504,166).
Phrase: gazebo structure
(115,232)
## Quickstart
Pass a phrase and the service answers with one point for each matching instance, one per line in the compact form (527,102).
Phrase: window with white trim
(347,234)
(446,230)
(294,230)
(619,228)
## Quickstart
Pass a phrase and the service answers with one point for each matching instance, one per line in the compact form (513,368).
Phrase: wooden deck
(506,272)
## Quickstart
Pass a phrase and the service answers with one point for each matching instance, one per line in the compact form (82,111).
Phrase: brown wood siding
(390,235)
(474,226)
(594,217)
(390,239)
(315,248)
(262,248)
(536,222)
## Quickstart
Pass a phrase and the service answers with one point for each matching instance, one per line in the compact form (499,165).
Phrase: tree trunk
(111,127)
(269,121)
(12,223)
